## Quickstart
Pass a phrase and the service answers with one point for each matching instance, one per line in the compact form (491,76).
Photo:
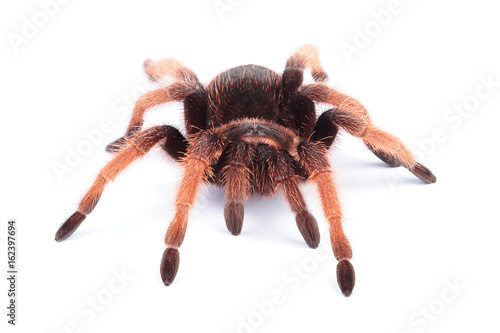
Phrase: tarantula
(251,131)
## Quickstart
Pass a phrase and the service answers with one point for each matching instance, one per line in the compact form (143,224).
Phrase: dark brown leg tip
(169,265)
(233,214)
(345,277)
(423,173)
(69,227)
(390,161)
(308,227)
(116,146)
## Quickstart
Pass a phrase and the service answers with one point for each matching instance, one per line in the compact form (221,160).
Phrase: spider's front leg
(313,157)
(175,146)
(269,168)
(282,170)
(205,148)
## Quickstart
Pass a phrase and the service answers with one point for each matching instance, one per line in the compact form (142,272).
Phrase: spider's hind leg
(145,102)
(307,56)
(297,111)
(186,88)
(156,70)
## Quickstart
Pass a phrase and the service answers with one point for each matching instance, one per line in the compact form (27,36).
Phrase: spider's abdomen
(244,92)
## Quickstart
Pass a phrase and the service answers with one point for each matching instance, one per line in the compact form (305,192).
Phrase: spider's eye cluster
(255,130)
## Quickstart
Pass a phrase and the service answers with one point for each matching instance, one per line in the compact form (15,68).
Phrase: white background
(410,241)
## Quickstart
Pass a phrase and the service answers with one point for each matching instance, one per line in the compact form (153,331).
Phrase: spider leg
(313,156)
(276,168)
(325,130)
(156,70)
(353,117)
(289,182)
(237,178)
(195,103)
(307,56)
(298,112)
(145,102)
(205,148)
(139,145)
(186,88)
(176,144)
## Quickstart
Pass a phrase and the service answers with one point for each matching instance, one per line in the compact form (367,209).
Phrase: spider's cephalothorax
(251,131)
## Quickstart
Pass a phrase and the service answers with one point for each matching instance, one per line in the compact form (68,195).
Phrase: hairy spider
(251,131)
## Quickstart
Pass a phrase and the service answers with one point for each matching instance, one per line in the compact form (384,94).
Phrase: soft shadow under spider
(251,131)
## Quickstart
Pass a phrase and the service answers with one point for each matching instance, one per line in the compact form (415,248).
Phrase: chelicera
(251,131)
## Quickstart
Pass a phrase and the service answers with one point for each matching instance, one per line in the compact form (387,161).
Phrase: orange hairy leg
(203,151)
(186,88)
(353,117)
(260,132)
(141,143)
(174,92)
(313,157)
(169,67)
(307,56)
(299,113)
(146,101)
